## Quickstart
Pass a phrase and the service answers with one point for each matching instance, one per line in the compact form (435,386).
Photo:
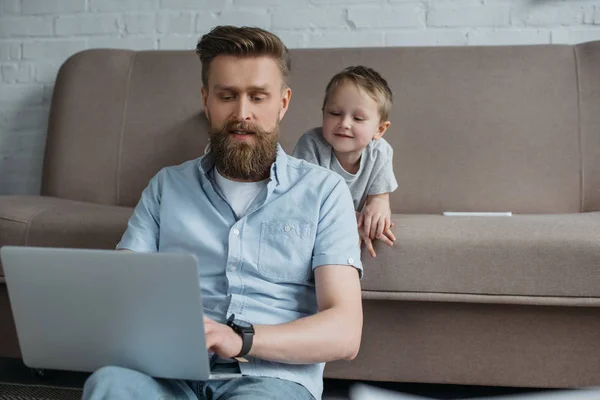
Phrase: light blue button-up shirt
(259,267)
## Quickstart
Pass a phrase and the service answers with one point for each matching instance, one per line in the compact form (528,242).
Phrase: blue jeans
(117,383)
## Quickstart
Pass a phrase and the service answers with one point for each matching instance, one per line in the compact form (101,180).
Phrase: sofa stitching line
(581,176)
(28,226)
(123,119)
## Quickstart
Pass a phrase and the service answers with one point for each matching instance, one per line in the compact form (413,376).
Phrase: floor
(13,371)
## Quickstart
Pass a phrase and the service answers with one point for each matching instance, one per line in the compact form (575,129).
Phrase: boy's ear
(383,127)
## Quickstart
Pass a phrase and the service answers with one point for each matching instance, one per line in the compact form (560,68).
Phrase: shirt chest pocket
(285,251)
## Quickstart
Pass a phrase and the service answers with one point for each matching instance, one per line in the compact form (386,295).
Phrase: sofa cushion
(522,255)
(53,222)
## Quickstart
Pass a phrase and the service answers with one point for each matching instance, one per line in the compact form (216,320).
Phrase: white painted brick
(45,72)
(574,36)
(129,43)
(10,51)
(406,16)
(178,23)
(328,2)
(9,7)
(21,94)
(140,23)
(23,118)
(308,18)
(122,5)
(207,20)
(274,3)
(16,73)
(26,26)
(48,92)
(469,16)
(430,37)
(345,39)
(57,7)
(292,39)
(560,36)
(183,4)
(178,42)
(52,49)
(87,25)
(509,37)
(539,14)
(596,18)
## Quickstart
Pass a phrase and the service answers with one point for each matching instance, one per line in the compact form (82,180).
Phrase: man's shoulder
(184,170)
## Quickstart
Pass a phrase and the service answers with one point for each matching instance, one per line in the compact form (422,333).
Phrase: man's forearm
(326,336)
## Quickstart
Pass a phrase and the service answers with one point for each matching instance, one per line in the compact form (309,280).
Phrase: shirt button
(287,228)
(351,260)
(233,268)
(236,231)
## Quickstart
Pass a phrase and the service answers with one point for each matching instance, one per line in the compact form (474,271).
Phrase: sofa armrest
(54,222)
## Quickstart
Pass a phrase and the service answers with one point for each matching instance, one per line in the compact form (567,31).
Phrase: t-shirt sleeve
(142,230)
(337,237)
(385,180)
(307,149)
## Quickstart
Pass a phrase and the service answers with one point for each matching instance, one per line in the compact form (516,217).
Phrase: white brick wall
(36,36)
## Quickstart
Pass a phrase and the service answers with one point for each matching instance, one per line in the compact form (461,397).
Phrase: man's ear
(285,102)
(381,129)
(205,100)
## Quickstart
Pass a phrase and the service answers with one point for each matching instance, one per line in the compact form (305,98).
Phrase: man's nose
(242,110)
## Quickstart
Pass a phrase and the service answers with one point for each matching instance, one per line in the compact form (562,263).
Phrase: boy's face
(351,120)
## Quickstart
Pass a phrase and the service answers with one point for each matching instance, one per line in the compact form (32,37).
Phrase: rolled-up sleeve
(337,234)
(143,227)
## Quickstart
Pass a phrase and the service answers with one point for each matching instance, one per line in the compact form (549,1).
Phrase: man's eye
(226,97)
(257,98)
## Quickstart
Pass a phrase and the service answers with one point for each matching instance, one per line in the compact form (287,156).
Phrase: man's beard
(244,160)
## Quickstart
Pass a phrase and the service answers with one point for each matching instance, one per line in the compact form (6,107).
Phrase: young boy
(356,108)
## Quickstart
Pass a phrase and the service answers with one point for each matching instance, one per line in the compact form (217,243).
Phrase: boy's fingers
(367,226)
(369,244)
(386,240)
(380,228)
(359,219)
(390,234)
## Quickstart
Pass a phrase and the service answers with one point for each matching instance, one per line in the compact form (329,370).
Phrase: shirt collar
(278,168)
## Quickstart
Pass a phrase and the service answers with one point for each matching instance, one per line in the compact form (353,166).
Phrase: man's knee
(105,379)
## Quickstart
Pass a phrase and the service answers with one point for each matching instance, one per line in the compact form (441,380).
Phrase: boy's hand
(375,221)
(386,236)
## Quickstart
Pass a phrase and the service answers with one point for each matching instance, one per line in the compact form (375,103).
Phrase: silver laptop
(80,310)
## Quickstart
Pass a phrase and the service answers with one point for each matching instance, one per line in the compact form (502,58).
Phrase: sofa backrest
(508,128)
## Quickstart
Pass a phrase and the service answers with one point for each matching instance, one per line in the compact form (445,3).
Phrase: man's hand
(221,339)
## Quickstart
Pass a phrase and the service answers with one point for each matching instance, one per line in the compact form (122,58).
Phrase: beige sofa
(468,300)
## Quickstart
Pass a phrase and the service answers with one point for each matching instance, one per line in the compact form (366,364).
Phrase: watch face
(242,324)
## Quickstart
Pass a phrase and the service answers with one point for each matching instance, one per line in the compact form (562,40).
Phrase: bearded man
(275,238)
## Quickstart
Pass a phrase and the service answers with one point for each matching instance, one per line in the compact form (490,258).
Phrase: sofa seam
(28,226)
(122,128)
(580,139)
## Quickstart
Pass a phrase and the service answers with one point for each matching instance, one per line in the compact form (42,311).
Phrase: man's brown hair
(370,81)
(242,42)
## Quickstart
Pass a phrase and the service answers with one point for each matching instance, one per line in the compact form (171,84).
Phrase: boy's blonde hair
(242,42)
(370,81)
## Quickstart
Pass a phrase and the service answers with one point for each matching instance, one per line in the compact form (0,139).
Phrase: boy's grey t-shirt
(376,172)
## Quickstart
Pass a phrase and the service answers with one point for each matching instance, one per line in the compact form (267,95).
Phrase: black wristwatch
(246,332)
